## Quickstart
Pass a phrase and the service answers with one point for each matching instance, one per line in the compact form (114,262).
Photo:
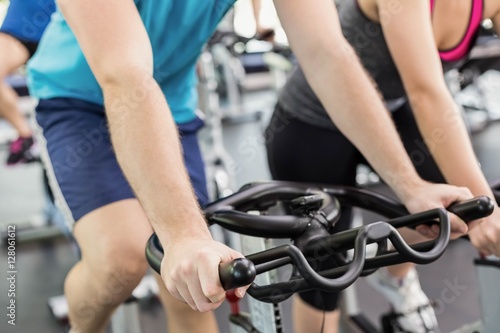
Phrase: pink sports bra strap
(461,50)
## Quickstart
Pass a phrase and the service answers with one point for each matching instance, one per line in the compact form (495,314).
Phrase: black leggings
(298,151)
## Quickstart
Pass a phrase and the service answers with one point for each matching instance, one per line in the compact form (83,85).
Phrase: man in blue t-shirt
(116,82)
(20,32)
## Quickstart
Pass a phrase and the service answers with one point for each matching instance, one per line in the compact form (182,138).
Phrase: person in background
(261,33)
(20,34)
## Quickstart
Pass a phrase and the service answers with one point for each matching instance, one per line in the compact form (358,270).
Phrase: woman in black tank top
(404,45)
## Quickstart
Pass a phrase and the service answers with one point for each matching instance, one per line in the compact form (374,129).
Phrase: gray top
(367,39)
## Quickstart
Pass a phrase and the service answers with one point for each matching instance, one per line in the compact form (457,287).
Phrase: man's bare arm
(138,115)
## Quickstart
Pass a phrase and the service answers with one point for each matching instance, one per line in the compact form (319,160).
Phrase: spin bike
(311,212)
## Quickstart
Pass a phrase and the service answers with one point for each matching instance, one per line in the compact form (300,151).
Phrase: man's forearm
(147,146)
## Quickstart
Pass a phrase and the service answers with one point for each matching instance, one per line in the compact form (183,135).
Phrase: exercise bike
(311,211)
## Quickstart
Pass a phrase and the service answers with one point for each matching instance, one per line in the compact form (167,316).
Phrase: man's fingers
(194,278)
(208,271)
(191,283)
(240,292)
(181,292)
(178,279)
(202,302)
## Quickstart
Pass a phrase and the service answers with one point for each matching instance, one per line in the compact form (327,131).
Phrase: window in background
(3,9)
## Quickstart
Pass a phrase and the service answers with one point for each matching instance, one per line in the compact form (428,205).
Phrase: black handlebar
(237,273)
(317,209)
(232,212)
(472,209)
(154,253)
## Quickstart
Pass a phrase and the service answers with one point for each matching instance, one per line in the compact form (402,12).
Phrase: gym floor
(42,265)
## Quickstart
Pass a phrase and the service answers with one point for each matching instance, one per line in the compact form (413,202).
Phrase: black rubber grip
(473,209)
(238,273)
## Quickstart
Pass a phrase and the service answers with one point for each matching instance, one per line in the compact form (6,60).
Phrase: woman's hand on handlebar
(429,196)
(190,271)
(486,236)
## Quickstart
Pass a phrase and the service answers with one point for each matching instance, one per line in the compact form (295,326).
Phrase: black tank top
(368,41)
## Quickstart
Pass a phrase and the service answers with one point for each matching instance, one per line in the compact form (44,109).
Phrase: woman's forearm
(444,132)
(357,110)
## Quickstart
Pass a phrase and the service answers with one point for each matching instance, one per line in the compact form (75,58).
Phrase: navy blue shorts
(83,161)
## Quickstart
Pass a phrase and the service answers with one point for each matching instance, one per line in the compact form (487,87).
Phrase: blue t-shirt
(177,29)
(27,19)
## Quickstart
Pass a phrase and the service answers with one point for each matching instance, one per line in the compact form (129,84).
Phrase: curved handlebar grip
(154,253)
(473,209)
(237,273)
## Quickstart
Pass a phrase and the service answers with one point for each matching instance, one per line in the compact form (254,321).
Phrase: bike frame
(233,214)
